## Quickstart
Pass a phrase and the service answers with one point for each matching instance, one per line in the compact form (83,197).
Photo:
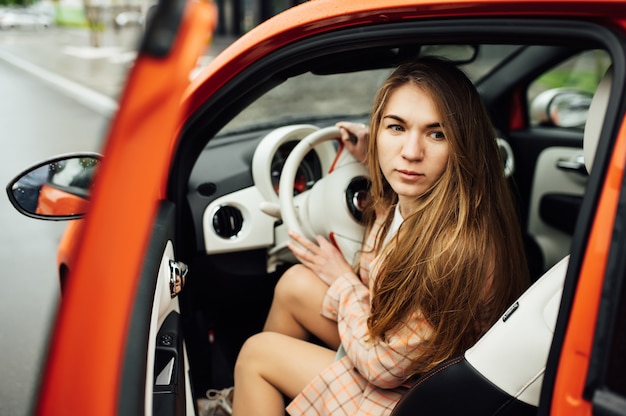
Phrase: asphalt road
(38,121)
(57,94)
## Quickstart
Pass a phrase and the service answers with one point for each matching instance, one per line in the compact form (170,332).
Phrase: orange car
(54,201)
(174,265)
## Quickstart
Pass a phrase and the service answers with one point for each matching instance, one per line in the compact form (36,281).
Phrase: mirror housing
(561,107)
(56,189)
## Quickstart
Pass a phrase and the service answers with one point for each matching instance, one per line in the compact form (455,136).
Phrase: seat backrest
(502,373)
(524,334)
(595,117)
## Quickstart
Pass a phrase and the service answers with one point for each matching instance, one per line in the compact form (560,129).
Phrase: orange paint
(83,371)
(568,389)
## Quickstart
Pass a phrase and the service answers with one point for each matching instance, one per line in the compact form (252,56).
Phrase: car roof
(325,16)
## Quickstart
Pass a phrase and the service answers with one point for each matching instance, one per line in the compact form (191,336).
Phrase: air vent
(356,196)
(227,221)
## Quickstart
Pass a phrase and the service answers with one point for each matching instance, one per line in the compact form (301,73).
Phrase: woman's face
(412,149)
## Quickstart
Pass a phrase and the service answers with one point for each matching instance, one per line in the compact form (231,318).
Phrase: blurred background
(62,66)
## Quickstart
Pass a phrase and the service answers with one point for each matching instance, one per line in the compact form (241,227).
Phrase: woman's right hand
(355,137)
(323,258)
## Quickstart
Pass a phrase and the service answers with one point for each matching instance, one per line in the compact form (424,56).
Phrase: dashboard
(233,188)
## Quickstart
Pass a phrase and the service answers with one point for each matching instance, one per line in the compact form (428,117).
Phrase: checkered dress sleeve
(383,363)
(370,379)
(347,301)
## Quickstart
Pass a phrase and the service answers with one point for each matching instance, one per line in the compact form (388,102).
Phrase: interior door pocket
(560,211)
(168,370)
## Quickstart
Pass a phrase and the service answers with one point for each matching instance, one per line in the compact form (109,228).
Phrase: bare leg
(272,364)
(296,307)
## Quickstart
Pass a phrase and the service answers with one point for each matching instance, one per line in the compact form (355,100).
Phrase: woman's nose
(413,148)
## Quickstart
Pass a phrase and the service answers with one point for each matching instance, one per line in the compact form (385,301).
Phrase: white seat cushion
(513,353)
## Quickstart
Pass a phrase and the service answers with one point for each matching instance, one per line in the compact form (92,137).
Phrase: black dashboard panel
(225,167)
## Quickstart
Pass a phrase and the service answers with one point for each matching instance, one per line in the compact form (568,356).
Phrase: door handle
(577,165)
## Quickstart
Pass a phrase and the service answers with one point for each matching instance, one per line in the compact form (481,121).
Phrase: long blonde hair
(458,259)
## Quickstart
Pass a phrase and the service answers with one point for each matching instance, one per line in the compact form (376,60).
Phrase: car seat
(502,373)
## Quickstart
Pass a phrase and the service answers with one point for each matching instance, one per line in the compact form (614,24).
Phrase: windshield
(309,97)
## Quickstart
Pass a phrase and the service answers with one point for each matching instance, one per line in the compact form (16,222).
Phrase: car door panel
(548,195)
(155,364)
(169,369)
(556,195)
(527,145)
(103,328)
(560,211)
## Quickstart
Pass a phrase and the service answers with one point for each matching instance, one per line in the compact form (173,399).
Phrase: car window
(575,80)
(310,98)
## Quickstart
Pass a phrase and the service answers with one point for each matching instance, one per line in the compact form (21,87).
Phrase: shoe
(217,403)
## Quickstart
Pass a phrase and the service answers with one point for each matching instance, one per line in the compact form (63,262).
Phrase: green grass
(70,16)
(585,81)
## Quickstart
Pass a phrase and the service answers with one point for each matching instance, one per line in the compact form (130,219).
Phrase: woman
(442,261)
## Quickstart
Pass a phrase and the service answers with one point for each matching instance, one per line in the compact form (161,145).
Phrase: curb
(98,102)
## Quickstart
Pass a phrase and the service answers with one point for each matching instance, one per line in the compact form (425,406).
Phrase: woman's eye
(437,135)
(395,127)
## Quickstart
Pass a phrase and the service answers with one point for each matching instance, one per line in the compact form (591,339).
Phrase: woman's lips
(409,174)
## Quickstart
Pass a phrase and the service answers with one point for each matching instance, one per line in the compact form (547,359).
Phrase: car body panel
(93,319)
(54,201)
(569,397)
(67,248)
(308,19)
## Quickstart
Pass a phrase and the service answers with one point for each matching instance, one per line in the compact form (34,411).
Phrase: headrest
(595,118)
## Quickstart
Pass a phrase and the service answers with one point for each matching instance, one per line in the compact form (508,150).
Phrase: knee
(253,352)
(293,284)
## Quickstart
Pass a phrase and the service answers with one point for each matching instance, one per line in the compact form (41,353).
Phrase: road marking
(90,52)
(124,57)
(100,103)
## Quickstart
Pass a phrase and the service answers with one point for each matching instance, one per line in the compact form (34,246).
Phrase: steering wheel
(333,206)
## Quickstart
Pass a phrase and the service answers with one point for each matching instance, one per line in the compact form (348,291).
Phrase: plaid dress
(370,379)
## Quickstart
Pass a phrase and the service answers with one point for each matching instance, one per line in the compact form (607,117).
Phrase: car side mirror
(56,189)
(561,107)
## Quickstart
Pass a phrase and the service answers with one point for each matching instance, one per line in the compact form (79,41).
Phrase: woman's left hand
(355,137)
(323,258)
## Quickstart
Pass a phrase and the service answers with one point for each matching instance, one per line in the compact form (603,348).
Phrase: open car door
(116,346)
(586,364)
